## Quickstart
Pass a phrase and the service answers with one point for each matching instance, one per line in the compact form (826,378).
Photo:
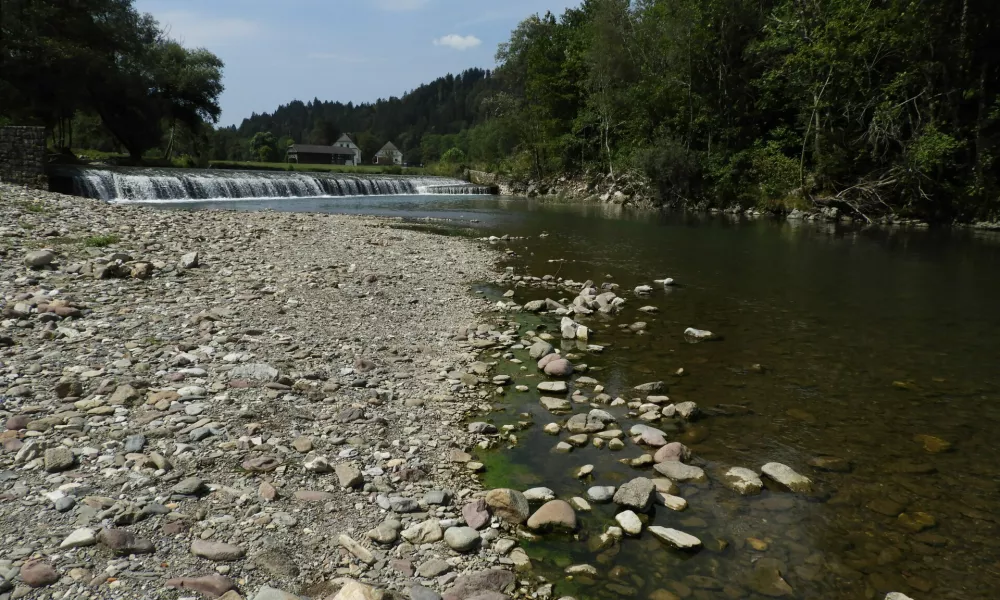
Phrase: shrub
(100,241)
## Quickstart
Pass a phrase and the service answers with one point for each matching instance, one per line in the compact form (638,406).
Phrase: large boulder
(510,505)
(539,349)
(674,451)
(39,258)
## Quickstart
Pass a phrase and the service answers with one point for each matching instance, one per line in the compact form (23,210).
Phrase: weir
(123,184)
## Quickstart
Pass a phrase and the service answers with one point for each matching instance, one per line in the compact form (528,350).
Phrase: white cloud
(400,5)
(195,30)
(458,42)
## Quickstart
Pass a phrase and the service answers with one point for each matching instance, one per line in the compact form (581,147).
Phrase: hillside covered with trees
(877,105)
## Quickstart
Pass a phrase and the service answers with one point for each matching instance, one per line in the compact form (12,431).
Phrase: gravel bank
(244,405)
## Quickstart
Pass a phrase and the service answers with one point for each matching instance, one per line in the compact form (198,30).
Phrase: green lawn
(362,169)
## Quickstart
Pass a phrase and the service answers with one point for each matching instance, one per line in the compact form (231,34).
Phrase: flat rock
(217,551)
(123,542)
(601,494)
(59,459)
(679,471)
(539,494)
(80,538)
(553,387)
(787,477)
(743,481)
(39,573)
(212,586)
(476,514)
(674,451)
(472,585)
(677,539)
(425,532)
(254,372)
(636,494)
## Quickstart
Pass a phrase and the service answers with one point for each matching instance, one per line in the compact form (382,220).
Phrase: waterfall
(121,184)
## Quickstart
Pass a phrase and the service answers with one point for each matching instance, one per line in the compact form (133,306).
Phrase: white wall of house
(386,157)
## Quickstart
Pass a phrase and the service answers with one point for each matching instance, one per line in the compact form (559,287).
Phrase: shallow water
(866,338)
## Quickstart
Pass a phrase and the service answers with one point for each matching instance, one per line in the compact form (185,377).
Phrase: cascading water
(172,185)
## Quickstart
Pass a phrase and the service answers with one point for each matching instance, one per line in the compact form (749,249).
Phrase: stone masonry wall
(22,156)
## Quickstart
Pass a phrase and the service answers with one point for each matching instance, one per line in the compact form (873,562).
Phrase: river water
(837,342)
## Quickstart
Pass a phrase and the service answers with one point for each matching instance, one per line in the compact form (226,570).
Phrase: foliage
(453,156)
(102,70)
(101,241)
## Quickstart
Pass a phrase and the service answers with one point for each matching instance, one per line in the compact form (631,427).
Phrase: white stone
(677,539)
(787,477)
(80,538)
(630,522)
(743,481)
(539,494)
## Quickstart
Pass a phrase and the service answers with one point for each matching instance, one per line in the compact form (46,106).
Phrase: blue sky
(347,50)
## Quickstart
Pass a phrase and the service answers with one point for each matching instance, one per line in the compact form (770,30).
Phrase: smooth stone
(674,451)
(679,471)
(476,514)
(419,592)
(554,514)
(217,551)
(426,532)
(39,573)
(556,404)
(630,522)
(539,494)
(462,539)
(80,538)
(787,477)
(212,586)
(601,494)
(677,539)
(433,568)
(553,387)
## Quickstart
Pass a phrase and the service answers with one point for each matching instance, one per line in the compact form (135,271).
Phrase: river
(836,342)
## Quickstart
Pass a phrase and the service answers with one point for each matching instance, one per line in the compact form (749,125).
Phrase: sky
(346,50)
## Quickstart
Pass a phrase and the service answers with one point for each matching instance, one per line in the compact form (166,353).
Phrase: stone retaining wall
(22,156)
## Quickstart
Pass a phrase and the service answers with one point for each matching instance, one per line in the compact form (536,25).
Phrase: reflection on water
(868,339)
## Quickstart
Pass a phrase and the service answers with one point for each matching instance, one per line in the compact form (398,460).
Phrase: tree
(263,147)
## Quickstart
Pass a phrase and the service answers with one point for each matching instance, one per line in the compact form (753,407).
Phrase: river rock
(217,551)
(648,435)
(674,451)
(80,538)
(349,475)
(476,514)
(462,539)
(556,404)
(630,522)
(559,368)
(699,334)
(540,349)
(743,481)
(539,494)
(636,494)
(254,372)
(686,410)
(59,459)
(123,542)
(212,586)
(897,596)
(679,471)
(584,423)
(39,573)
(787,477)
(552,387)
(354,590)
(554,514)
(510,505)
(37,259)
(766,580)
(677,539)
(601,494)
(419,592)
(651,387)
(479,585)
(425,532)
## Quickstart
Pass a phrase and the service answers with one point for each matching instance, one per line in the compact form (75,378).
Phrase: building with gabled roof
(389,155)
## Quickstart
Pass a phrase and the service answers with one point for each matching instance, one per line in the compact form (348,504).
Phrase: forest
(874,105)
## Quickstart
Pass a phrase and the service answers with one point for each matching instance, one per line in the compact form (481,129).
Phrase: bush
(675,170)
(453,156)
(101,241)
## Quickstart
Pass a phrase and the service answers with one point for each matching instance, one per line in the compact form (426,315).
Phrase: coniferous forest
(880,105)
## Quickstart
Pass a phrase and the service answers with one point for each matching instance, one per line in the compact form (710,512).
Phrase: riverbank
(195,403)
(635,192)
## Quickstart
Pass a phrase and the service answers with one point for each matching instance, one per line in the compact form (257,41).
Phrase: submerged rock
(679,471)
(555,514)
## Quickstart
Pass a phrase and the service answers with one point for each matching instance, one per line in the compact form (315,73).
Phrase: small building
(389,155)
(345,142)
(343,152)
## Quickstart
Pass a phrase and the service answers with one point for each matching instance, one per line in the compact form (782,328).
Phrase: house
(343,152)
(389,155)
(347,143)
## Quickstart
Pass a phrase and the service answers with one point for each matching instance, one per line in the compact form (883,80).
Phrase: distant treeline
(874,104)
